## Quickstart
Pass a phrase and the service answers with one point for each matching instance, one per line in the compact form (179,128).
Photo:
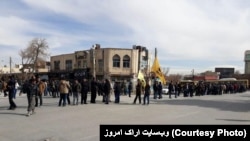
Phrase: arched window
(126,61)
(116,61)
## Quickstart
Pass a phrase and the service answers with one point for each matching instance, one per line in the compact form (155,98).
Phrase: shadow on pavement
(7,113)
(220,105)
(238,120)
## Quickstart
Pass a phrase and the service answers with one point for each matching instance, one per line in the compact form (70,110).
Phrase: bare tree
(36,51)
(165,71)
(237,72)
(174,77)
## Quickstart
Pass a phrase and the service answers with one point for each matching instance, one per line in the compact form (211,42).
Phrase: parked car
(165,90)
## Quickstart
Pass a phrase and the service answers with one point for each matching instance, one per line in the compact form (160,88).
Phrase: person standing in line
(53,88)
(64,90)
(46,88)
(41,88)
(69,93)
(111,90)
(130,87)
(76,90)
(11,89)
(106,90)
(125,89)
(155,88)
(170,89)
(146,93)
(4,87)
(99,88)
(138,91)
(32,92)
(102,90)
(186,90)
(176,89)
(57,89)
(160,90)
(16,88)
(122,84)
(84,91)
(93,91)
(117,91)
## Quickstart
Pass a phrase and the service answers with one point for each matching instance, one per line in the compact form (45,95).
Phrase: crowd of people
(202,88)
(35,89)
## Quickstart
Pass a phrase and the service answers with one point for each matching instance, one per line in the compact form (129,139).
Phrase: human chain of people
(78,91)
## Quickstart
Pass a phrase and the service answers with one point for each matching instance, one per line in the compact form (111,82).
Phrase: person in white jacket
(16,88)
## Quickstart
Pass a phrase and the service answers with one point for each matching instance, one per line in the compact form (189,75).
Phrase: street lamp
(93,57)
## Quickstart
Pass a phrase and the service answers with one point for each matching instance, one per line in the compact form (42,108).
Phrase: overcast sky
(188,34)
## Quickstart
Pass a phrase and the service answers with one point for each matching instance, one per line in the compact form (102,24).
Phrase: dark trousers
(139,97)
(5,93)
(14,95)
(40,97)
(169,93)
(146,97)
(129,93)
(106,98)
(84,96)
(62,98)
(160,95)
(31,102)
(93,97)
(75,98)
(11,101)
(68,98)
(117,97)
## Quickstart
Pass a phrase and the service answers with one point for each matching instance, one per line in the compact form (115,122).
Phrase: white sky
(188,34)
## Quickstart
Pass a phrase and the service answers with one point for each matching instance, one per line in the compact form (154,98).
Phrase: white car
(165,90)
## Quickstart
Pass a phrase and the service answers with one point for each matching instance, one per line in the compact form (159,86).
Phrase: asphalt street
(82,122)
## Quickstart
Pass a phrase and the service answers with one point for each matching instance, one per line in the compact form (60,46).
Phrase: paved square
(82,122)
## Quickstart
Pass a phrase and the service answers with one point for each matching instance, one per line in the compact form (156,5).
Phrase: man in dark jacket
(76,89)
(170,88)
(130,88)
(138,91)
(155,88)
(106,90)
(32,92)
(11,90)
(117,91)
(93,90)
(160,90)
(84,91)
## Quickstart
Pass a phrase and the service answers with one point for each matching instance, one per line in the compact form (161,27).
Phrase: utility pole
(10,64)
(155,52)
(93,52)
(193,74)
(139,58)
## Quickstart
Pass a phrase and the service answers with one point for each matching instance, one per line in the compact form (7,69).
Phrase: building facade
(112,63)
(247,61)
(225,72)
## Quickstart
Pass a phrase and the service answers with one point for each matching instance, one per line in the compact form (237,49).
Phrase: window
(126,61)
(116,61)
(68,64)
(84,64)
(79,64)
(100,65)
(57,65)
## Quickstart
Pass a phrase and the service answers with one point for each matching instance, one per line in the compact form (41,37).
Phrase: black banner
(174,132)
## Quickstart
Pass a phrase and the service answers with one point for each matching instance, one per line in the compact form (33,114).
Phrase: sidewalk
(81,123)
